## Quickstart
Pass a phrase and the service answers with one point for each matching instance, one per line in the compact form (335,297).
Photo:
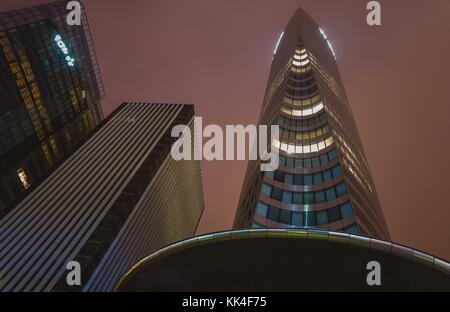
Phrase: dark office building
(323,180)
(119,197)
(285,260)
(50,91)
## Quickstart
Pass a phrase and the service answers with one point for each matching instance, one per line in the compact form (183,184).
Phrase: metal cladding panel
(305,96)
(52,224)
(168,211)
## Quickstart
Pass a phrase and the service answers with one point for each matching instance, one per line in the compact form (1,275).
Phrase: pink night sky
(216,54)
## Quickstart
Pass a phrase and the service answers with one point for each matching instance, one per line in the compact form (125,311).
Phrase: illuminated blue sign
(65,51)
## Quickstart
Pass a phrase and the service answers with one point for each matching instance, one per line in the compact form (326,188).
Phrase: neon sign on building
(68,57)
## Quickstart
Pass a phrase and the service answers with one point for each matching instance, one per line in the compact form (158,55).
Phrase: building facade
(323,180)
(50,91)
(119,197)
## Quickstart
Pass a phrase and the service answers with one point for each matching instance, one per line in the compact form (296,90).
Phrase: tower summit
(323,180)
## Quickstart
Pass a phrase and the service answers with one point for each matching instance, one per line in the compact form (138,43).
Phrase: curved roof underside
(284,260)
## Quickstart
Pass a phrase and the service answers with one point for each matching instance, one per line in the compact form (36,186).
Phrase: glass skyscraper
(50,91)
(323,180)
(119,197)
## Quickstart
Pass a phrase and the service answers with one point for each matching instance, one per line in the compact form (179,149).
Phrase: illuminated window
(302,149)
(302,102)
(303,135)
(301,63)
(303,112)
(300,57)
(23,178)
(54,147)
(47,155)
(301,70)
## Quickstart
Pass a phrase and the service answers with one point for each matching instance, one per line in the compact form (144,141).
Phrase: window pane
(307,163)
(318,178)
(297,218)
(298,198)
(322,217)
(266,190)
(287,197)
(261,209)
(316,162)
(279,176)
(320,196)
(285,216)
(270,174)
(298,179)
(277,193)
(289,178)
(353,229)
(282,160)
(331,195)
(309,198)
(274,214)
(346,210)
(333,214)
(307,179)
(332,154)
(324,159)
(310,218)
(327,175)
(290,162)
(337,171)
(341,189)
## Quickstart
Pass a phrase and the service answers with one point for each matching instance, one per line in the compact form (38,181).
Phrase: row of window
(306,179)
(301,75)
(300,54)
(305,218)
(351,229)
(302,112)
(302,84)
(300,63)
(300,58)
(304,198)
(310,162)
(302,92)
(303,102)
(287,134)
(301,69)
(312,147)
(302,123)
